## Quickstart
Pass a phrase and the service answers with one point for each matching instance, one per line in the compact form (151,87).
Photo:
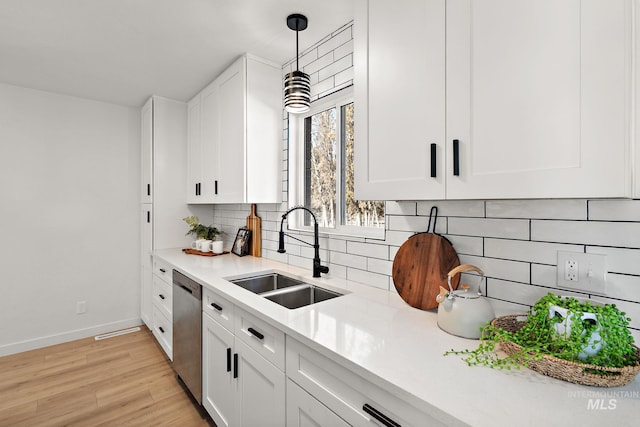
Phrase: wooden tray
(197,252)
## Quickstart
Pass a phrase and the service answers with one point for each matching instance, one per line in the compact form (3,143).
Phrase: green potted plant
(594,338)
(200,231)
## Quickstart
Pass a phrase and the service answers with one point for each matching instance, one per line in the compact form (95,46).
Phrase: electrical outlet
(582,272)
(81,307)
(571,270)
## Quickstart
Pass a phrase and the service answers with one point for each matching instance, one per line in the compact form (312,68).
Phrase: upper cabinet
(146,149)
(400,100)
(235,136)
(538,99)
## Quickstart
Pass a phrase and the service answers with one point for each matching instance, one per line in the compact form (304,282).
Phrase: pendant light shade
(297,85)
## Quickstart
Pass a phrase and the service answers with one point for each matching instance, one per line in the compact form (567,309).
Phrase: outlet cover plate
(591,272)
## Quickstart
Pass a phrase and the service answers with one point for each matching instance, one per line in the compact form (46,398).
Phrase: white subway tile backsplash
(368,250)
(400,208)
(372,279)
(543,275)
(625,261)
(631,309)
(520,250)
(409,223)
(499,268)
(614,210)
(542,209)
(344,77)
(466,245)
(492,234)
(380,266)
(618,234)
(621,286)
(337,40)
(465,208)
(348,260)
(322,61)
(344,63)
(343,50)
(502,228)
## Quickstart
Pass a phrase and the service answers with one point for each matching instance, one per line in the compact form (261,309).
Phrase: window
(323,153)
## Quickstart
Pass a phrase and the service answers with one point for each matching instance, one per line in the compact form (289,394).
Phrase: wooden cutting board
(420,267)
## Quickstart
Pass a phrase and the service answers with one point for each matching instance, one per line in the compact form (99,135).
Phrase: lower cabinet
(348,396)
(239,386)
(157,295)
(305,410)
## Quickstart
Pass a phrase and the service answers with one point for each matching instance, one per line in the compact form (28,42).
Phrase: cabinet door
(146,222)
(304,410)
(261,390)
(399,99)
(229,157)
(146,297)
(218,385)
(194,150)
(209,138)
(146,133)
(538,98)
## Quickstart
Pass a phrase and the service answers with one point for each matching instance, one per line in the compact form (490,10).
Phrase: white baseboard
(41,342)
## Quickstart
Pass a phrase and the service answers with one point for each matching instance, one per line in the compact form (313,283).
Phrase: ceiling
(123,51)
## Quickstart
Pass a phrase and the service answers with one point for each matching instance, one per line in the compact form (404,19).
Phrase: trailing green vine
(611,345)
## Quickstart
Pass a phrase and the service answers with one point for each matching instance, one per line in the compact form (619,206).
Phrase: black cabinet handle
(160,329)
(229,359)
(216,187)
(148,189)
(161,296)
(256,333)
(386,421)
(162,270)
(456,157)
(216,306)
(235,365)
(196,191)
(148,216)
(433,160)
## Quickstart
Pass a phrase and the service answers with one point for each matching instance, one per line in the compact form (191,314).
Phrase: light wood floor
(120,381)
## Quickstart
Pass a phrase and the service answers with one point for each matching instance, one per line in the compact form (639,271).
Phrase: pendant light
(297,85)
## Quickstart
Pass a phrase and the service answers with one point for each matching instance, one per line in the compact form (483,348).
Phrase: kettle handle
(462,268)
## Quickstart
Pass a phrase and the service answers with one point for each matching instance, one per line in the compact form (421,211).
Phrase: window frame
(296,169)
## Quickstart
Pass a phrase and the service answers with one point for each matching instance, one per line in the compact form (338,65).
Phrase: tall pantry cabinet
(164,163)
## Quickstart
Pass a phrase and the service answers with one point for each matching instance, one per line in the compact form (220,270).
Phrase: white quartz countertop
(376,334)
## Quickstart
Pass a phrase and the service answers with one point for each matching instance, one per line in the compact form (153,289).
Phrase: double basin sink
(287,291)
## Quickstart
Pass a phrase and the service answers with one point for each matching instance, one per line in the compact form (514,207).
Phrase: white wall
(514,241)
(69,173)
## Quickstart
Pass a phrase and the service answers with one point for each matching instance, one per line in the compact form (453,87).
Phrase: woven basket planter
(573,372)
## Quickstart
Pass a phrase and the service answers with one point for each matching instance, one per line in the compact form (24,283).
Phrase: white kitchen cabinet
(351,397)
(146,135)
(160,300)
(537,99)
(146,262)
(235,138)
(304,410)
(399,100)
(164,151)
(239,386)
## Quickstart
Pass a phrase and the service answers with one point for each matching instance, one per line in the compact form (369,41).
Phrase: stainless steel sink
(266,282)
(284,290)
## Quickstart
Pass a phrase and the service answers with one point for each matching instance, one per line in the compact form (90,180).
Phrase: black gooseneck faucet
(317,267)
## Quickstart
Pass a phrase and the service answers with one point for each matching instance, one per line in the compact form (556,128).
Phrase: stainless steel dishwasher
(187,333)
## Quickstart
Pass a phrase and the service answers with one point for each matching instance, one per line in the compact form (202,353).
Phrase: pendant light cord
(297,50)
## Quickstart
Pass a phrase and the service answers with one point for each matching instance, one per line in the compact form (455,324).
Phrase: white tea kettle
(464,311)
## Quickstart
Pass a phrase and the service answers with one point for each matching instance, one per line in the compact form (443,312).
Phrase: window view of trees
(329,190)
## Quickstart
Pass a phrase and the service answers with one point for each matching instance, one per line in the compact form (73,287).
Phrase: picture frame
(241,243)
